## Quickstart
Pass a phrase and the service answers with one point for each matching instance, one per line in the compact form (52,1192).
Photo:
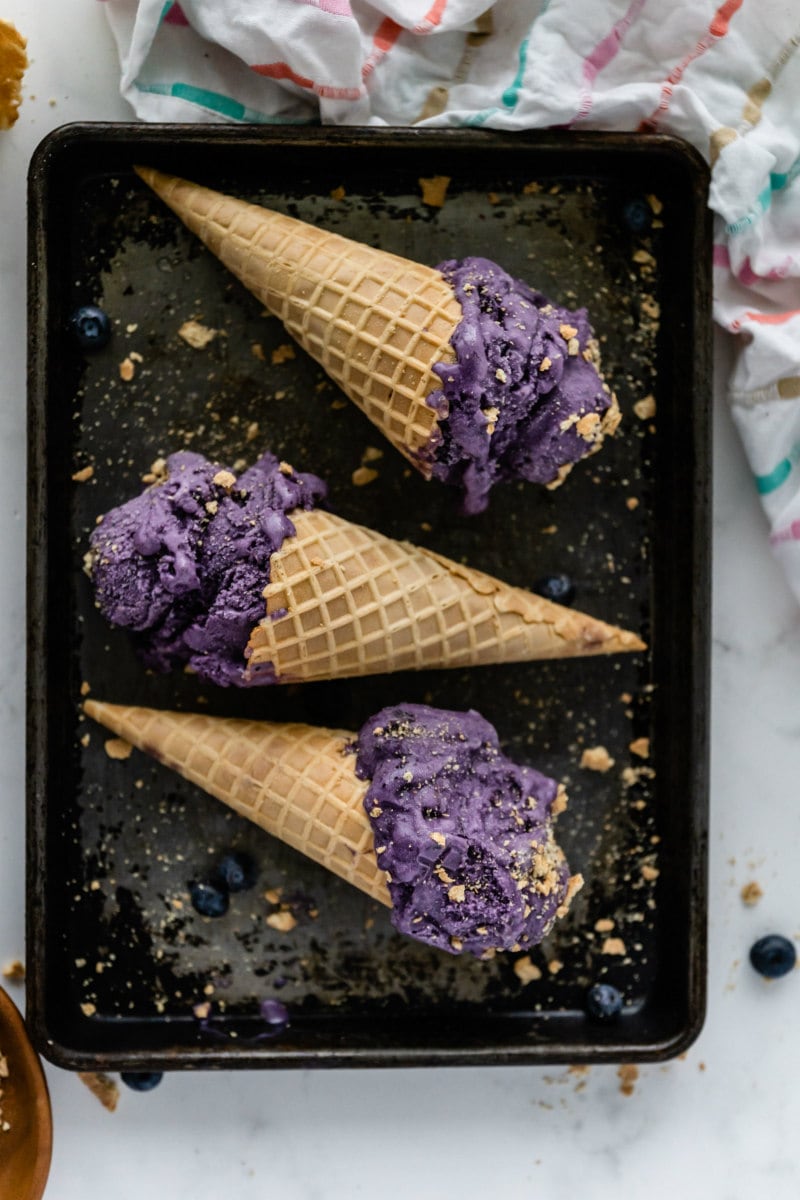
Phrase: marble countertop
(720,1122)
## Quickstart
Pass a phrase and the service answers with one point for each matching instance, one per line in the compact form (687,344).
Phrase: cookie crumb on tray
(196,335)
(646,408)
(434,190)
(118,748)
(526,971)
(596,758)
(364,475)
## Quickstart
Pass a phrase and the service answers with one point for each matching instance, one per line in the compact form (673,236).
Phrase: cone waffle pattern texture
(359,603)
(376,322)
(292,780)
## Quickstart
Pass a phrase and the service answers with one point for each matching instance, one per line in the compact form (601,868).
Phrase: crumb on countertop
(282,354)
(83,475)
(14,971)
(640,746)
(751,893)
(613,945)
(628,1074)
(102,1086)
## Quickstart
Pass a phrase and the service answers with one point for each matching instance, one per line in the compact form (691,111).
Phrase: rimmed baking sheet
(118,958)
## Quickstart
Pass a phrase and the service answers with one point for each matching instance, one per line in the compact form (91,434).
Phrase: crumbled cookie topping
(196,335)
(596,758)
(434,190)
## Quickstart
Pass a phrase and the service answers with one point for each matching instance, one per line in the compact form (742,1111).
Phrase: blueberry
(236,871)
(210,899)
(638,215)
(603,1001)
(558,588)
(274,1014)
(91,327)
(142,1081)
(773,955)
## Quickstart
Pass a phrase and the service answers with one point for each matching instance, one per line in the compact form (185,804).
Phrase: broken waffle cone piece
(13,61)
(294,781)
(344,600)
(375,321)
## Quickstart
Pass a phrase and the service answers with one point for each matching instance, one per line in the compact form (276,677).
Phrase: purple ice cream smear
(464,833)
(183,565)
(524,398)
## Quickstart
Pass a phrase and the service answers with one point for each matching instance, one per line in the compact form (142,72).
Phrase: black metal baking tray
(118,959)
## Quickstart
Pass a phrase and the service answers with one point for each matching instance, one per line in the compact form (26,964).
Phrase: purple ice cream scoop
(183,565)
(464,833)
(524,398)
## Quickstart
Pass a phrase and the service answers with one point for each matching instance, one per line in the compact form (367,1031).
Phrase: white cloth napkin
(725,76)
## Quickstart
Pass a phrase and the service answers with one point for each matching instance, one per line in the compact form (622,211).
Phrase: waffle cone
(294,781)
(375,321)
(344,600)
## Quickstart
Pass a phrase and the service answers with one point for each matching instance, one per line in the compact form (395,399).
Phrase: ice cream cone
(375,321)
(294,781)
(344,600)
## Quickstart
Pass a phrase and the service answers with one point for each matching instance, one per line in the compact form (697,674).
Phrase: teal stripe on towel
(772,481)
(778,180)
(226,106)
